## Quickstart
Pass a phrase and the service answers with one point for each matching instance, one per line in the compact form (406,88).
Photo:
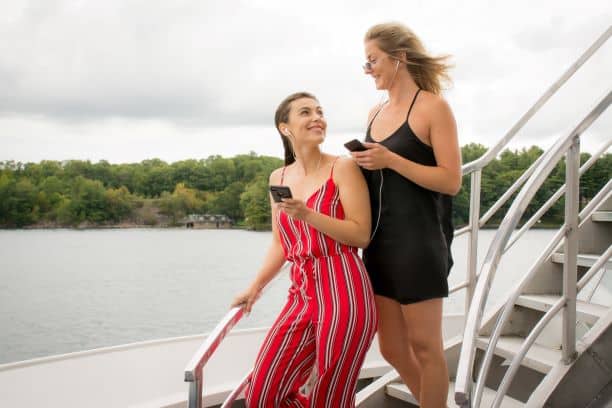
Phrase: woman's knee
(390,349)
(426,348)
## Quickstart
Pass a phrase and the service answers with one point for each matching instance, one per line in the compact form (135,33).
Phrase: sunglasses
(370,64)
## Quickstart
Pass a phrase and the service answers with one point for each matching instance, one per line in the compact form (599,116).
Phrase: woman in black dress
(412,166)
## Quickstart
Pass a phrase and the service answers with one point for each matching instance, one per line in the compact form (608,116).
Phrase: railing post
(474,222)
(195,392)
(572,168)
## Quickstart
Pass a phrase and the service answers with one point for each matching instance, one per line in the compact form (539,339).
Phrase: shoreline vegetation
(154,194)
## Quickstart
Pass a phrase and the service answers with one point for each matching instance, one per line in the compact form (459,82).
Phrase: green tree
(88,202)
(120,204)
(19,199)
(181,202)
(228,201)
(255,203)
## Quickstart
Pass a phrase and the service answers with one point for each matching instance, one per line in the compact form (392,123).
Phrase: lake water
(66,290)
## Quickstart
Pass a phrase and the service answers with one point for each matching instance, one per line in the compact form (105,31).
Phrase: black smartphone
(280,192)
(355,146)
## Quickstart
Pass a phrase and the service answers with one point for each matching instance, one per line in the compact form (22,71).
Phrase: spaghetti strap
(376,114)
(412,104)
(283,175)
(331,173)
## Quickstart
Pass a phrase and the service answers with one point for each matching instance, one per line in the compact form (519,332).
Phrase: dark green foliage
(77,192)
(502,172)
(84,193)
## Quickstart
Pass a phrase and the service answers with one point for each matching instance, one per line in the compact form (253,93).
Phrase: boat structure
(545,342)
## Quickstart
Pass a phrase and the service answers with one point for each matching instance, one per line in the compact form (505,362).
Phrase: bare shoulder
(346,169)
(275,176)
(373,111)
(435,105)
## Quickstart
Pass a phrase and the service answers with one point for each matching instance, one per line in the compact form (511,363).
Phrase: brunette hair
(282,116)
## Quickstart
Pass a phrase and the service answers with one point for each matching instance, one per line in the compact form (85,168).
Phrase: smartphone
(355,146)
(280,192)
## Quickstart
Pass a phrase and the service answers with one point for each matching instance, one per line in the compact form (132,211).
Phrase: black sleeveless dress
(409,256)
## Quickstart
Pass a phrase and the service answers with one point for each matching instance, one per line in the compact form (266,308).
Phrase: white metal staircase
(544,333)
(551,325)
(524,357)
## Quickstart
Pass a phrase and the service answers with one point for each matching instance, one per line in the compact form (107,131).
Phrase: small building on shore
(210,221)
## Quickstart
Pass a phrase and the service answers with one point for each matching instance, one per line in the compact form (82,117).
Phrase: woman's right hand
(247,298)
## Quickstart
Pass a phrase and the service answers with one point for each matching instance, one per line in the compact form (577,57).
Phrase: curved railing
(552,247)
(474,168)
(533,335)
(555,197)
(237,391)
(194,369)
(569,145)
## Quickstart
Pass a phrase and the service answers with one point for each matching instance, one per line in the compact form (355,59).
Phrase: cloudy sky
(127,80)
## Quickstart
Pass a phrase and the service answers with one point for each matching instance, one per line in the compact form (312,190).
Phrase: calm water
(64,290)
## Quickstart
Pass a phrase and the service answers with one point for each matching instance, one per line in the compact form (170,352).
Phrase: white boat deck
(148,374)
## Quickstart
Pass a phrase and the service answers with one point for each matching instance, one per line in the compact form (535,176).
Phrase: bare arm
(445,177)
(273,261)
(354,229)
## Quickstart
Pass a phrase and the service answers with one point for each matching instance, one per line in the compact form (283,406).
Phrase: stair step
(585,312)
(602,216)
(584,260)
(538,358)
(400,391)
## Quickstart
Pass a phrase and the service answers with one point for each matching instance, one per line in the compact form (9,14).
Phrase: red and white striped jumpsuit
(329,318)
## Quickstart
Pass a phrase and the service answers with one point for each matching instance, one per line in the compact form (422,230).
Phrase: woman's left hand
(376,157)
(295,208)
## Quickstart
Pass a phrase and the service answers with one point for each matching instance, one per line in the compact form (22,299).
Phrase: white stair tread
(400,391)
(602,216)
(585,260)
(585,312)
(538,358)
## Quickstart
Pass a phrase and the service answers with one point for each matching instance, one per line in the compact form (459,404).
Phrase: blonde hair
(399,41)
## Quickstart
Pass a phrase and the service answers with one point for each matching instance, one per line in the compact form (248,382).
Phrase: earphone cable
(380,188)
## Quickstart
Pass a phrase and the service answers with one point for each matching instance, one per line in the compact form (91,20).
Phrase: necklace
(318,163)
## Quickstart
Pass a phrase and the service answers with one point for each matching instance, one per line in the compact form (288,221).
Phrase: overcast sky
(126,80)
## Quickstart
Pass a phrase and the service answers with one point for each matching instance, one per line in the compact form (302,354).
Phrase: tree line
(81,193)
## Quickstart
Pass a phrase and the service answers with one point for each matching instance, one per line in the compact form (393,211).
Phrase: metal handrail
(231,398)
(601,195)
(458,287)
(236,392)
(553,246)
(193,370)
(510,191)
(502,389)
(491,261)
(535,332)
(494,337)
(481,162)
(592,270)
(555,197)
(461,231)
(475,167)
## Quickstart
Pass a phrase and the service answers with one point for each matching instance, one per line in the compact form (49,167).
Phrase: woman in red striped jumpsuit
(329,319)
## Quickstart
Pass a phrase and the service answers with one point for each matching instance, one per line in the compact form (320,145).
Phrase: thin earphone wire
(380,171)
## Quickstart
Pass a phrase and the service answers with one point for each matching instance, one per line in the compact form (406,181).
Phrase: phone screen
(280,192)
(355,146)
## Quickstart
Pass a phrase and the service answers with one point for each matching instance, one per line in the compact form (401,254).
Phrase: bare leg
(423,321)
(394,344)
